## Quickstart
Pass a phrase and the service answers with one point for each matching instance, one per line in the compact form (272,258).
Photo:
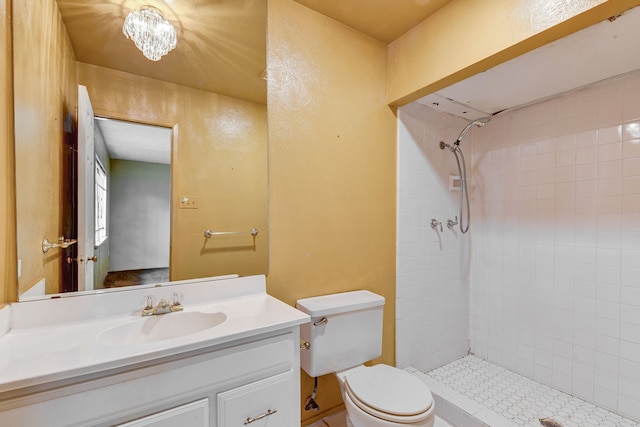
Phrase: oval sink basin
(160,327)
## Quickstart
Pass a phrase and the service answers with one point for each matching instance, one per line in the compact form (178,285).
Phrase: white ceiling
(596,53)
(136,141)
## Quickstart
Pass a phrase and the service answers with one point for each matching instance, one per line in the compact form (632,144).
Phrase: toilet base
(437,422)
(349,423)
(344,420)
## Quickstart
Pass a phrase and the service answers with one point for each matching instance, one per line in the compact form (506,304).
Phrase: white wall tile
(606,379)
(587,257)
(631,148)
(607,362)
(608,327)
(550,285)
(586,155)
(630,331)
(605,398)
(631,203)
(630,185)
(432,296)
(631,166)
(629,406)
(630,369)
(610,134)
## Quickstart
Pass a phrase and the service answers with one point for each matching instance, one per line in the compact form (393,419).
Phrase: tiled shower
(547,282)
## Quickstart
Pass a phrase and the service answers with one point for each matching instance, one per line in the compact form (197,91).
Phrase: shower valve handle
(451,223)
(435,224)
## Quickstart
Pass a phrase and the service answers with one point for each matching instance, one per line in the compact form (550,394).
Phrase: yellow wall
(44,93)
(332,162)
(219,158)
(466,37)
(331,141)
(7,197)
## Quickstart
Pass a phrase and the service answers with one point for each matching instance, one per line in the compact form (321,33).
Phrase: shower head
(478,122)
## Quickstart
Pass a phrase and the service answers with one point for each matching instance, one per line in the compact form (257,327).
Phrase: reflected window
(101,203)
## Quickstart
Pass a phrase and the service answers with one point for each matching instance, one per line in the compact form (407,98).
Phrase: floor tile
(500,397)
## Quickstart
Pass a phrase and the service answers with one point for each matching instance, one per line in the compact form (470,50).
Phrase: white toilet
(346,331)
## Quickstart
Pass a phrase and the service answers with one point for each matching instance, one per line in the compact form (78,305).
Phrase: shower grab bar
(209,233)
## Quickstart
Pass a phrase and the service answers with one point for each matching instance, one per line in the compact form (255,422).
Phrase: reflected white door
(86,189)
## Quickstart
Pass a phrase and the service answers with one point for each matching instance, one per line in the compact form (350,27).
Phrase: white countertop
(57,339)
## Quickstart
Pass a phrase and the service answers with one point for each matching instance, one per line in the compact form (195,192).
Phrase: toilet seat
(389,393)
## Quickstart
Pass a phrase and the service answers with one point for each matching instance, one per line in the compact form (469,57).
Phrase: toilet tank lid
(327,305)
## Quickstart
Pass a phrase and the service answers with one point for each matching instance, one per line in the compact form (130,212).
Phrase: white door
(86,189)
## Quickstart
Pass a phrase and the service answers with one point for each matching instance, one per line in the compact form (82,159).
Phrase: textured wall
(331,167)
(45,93)
(219,157)
(8,282)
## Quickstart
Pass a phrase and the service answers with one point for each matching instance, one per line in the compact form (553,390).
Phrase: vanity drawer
(268,402)
(192,414)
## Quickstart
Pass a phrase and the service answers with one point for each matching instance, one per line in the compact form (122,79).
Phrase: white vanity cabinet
(230,358)
(191,414)
(249,382)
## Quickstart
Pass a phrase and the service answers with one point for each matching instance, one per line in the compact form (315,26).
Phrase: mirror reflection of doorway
(132,204)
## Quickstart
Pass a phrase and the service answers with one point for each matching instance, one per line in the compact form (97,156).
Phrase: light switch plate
(186,202)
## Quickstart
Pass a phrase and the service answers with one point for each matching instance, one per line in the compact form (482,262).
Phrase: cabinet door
(266,403)
(194,414)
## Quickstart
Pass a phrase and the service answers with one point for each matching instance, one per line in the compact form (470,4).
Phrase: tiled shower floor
(500,398)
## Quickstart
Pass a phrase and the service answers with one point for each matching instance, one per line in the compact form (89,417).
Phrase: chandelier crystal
(150,31)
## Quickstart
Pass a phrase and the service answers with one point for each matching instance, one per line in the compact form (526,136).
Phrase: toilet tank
(350,336)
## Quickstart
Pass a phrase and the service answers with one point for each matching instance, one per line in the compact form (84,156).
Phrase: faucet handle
(176,301)
(435,224)
(451,223)
(176,298)
(147,302)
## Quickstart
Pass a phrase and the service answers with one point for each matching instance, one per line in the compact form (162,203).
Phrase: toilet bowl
(345,331)
(384,396)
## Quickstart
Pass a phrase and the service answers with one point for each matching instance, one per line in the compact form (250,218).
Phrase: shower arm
(462,169)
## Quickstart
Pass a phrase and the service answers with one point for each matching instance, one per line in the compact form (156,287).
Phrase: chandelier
(150,31)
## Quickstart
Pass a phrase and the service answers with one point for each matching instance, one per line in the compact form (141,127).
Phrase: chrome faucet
(163,306)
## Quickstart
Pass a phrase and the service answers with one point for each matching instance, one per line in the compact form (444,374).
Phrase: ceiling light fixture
(150,31)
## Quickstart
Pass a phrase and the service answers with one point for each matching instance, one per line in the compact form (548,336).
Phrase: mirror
(209,92)
(132,178)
